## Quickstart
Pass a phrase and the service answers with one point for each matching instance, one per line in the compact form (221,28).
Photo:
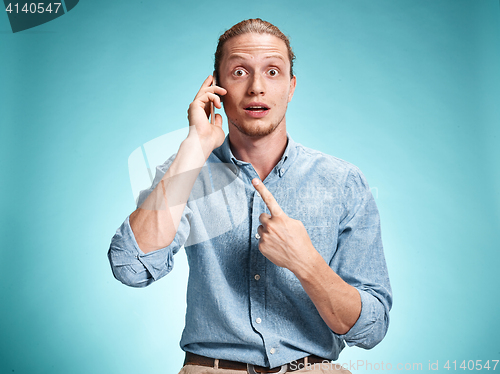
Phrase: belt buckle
(251,369)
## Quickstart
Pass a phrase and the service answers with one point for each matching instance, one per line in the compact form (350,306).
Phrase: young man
(286,261)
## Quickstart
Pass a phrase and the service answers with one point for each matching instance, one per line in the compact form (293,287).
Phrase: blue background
(408,90)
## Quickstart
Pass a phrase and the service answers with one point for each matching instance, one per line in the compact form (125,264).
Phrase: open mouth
(257,108)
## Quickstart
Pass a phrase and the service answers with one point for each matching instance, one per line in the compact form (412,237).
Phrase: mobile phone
(212,110)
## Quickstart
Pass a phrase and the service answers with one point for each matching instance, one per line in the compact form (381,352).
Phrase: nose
(256,85)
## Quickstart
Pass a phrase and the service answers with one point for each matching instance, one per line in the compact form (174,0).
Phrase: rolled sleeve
(133,267)
(371,326)
(360,261)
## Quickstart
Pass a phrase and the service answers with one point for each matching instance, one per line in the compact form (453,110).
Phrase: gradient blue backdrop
(408,90)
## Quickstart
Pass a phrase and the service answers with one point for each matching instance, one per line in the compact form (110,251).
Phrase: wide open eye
(273,72)
(239,72)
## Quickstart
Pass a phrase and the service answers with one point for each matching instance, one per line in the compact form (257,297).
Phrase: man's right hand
(210,136)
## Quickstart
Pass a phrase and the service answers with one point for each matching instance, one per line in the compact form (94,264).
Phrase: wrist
(203,144)
(309,267)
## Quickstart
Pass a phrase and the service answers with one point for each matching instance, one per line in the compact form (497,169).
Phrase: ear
(293,83)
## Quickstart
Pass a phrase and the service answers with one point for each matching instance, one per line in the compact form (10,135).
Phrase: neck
(262,152)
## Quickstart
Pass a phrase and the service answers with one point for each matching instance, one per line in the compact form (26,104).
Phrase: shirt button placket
(257,268)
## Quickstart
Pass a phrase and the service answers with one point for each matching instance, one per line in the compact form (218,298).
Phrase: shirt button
(258,320)
(257,236)
(257,277)
(257,194)
(272,351)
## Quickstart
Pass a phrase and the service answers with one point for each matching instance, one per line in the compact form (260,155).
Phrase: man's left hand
(283,240)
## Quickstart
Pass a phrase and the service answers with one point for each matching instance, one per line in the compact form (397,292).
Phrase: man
(286,260)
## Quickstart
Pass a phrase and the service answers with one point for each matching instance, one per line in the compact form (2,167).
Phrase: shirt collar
(225,155)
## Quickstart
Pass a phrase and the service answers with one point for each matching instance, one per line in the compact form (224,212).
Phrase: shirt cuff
(158,263)
(371,326)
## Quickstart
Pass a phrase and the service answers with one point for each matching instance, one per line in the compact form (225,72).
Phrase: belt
(194,359)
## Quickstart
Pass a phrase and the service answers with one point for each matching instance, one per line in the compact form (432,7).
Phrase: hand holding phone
(207,129)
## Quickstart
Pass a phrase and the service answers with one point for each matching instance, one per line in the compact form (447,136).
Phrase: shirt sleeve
(133,267)
(360,262)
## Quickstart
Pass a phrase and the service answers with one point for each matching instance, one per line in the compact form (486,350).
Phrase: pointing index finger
(268,198)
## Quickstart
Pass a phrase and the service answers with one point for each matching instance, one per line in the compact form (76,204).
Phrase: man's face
(255,71)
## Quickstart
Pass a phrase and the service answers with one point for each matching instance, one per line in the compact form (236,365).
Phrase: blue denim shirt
(242,307)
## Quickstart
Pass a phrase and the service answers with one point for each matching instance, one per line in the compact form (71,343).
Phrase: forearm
(338,303)
(155,222)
